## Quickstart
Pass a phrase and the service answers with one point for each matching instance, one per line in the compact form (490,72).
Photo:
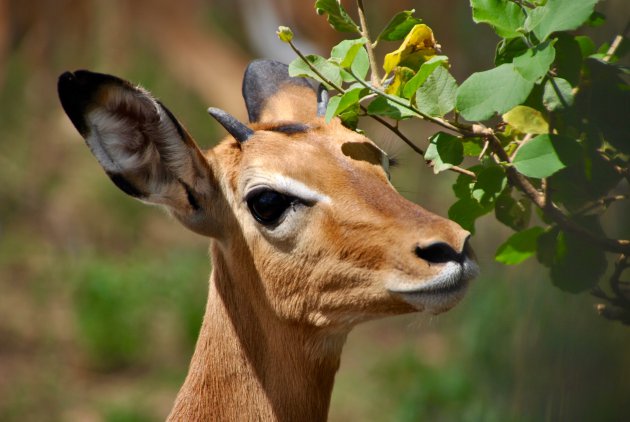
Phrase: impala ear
(272,95)
(140,145)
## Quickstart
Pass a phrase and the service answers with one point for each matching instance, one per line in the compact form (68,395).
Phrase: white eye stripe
(285,185)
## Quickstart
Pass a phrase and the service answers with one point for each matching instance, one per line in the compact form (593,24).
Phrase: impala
(309,238)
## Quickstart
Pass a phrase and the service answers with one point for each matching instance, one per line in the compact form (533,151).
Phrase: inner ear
(139,143)
(272,95)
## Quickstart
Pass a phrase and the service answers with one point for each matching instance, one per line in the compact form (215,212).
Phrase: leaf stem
(314,69)
(365,33)
(444,123)
(616,43)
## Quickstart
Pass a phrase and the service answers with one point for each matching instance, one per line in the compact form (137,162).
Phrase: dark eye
(267,206)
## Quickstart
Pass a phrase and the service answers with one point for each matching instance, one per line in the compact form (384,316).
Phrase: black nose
(439,253)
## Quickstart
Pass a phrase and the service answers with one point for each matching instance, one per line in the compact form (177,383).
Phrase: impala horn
(238,130)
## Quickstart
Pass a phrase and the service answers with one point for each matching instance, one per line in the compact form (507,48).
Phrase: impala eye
(267,206)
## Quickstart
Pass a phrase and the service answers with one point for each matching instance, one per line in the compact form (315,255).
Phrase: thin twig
(616,43)
(603,202)
(314,69)
(445,124)
(374,76)
(396,131)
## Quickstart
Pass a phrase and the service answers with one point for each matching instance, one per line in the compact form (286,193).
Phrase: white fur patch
(283,184)
(451,275)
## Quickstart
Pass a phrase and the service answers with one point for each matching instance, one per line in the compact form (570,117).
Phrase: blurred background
(101,297)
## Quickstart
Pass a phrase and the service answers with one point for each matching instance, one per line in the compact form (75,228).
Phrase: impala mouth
(443,291)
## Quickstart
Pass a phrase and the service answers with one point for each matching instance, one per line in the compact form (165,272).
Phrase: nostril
(438,253)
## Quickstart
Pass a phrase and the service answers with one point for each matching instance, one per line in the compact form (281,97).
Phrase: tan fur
(278,314)
(282,301)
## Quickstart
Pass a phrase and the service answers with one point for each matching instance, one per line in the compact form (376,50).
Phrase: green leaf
(382,106)
(350,116)
(493,91)
(298,68)
(504,16)
(423,73)
(519,246)
(545,155)
(490,182)
(332,107)
(462,188)
(402,75)
(546,246)
(399,26)
(436,96)
(581,265)
(338,18)
(606,102)
(444,151)
(568,61)
(465,212)
(508,49)
(341,103)
(514,214)
(346,51)
(576,264)
(361,64)
(526,120)
(584,181)
(587,46)
(596,19)
(558,94)
(472,146)
(558,15)
(535,63)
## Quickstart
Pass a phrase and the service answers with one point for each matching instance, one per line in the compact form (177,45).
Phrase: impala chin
(438,294)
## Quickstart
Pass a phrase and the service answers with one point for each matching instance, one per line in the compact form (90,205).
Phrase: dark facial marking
(125,186)
(192,200)
(290,129)
(362,151)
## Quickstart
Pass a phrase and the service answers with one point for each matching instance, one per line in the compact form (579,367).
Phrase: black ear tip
(74,100)
(65,78)
(65,83)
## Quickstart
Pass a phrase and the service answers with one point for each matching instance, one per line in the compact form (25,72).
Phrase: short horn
(322,100)
(238,130)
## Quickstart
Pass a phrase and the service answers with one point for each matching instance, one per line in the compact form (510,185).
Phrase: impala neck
(250,365)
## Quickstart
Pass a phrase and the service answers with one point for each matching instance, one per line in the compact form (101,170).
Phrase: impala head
(307,203)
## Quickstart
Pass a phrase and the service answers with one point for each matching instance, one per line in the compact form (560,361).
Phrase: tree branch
(549,208)
(374,76)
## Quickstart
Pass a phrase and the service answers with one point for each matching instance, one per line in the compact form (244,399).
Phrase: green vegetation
(543,129)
